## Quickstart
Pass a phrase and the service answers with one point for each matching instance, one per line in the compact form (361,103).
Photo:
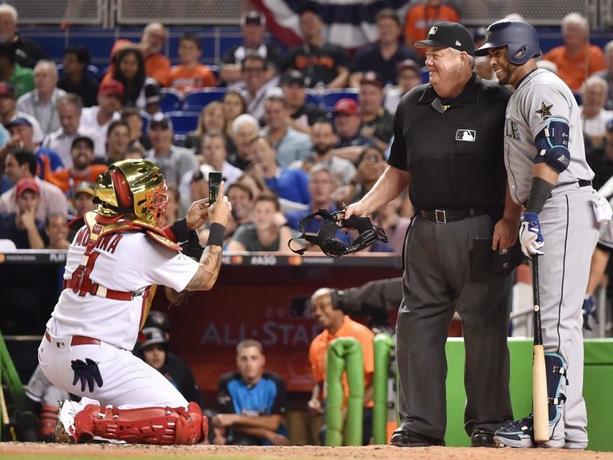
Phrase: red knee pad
(149,425)
(48,421)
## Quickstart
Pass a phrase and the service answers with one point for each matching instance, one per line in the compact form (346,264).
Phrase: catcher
(113,265)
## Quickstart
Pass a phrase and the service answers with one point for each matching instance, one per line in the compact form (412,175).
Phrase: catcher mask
(328,238)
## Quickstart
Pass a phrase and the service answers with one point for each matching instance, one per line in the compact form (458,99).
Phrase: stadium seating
(182,124)
(171,100)
(195,101)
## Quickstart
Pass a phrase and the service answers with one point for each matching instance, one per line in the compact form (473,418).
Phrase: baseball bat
(540,407)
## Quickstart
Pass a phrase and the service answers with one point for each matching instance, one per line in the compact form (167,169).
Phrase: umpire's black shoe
(403,437)
(483,438)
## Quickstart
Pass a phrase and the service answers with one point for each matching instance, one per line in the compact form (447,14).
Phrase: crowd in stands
(292,131)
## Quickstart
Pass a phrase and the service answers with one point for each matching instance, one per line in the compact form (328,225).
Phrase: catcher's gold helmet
(134,188)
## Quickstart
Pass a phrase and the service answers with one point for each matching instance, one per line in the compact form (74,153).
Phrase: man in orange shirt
(190,74)
(421,16)
(82,151)
(576,59)
(337,324)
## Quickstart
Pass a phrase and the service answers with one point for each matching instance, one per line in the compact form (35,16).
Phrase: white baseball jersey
(127,262)
(540,96)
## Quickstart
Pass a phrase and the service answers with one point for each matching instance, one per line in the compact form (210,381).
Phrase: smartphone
(215,178)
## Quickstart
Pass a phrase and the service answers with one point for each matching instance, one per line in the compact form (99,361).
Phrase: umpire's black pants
(437,280)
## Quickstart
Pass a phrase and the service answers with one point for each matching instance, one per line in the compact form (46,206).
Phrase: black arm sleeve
(383,294)
(224,399)
(278,405)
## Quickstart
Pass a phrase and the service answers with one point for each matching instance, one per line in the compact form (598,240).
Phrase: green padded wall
(597,390)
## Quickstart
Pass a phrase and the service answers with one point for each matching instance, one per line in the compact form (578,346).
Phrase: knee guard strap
(149,425)
(555,366)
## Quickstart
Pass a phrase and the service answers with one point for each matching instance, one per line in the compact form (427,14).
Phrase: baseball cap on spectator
(253,18)
(346,106)
(408,64)
(111,87)
(153,336)
(152,94)
(26,184)
(6,89)
(84,187)
(293,77)
(19,121)
(371,78)
(86,139)
(274,93)
(609,126)
(448,35)
(160,121)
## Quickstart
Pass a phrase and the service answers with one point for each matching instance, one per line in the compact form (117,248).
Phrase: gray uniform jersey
(540,97)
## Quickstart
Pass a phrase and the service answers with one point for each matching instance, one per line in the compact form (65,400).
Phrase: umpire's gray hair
(244,120)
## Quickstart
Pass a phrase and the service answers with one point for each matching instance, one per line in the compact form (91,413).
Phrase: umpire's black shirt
(452,148)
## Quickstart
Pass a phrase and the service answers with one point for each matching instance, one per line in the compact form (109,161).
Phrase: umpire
(448,149)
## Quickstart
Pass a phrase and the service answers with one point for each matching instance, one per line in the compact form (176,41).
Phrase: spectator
(241,199)
(576,59)
(128,67)
(323,140)
(423,15)
(288,184)
(97,119)
(593,114)
(154,351)
(82,169)
(190,75)
(22,227)
(253,182)
(27,53)
(82,200)
(69,111)
(371,165)
(21,78)
(264,234)
(56,232)
(254,86)
(173,161)
(322,184)
(117,141)
(302,113)
(409,76)
(245,128)
(153,99)
(213,153)
(157,66)
(253,26)
(321,63)
(233,105)
(76,79)
(134,120)
(607,74)
(290,145)
(377,123)
(135,152)
(8,111)
(41,102)
(336,324)
(384,55)
(210,121)
(21,164)
(171,213)
(347,123)
(393,224)
(251,401)
(22,137)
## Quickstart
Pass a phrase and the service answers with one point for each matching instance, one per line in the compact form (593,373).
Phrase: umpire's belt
(96,289)
(76,340)
(443,216)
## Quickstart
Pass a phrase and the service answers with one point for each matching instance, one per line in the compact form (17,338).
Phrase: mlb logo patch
(466,135)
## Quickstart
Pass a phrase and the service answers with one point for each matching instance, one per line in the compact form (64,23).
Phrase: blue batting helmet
(518,36)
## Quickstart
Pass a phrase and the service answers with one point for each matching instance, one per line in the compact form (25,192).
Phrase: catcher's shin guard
(149,425)
(48,421)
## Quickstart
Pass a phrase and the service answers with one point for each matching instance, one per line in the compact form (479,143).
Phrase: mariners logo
(466,135)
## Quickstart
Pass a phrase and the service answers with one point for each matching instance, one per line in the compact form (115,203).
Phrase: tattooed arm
(210,261)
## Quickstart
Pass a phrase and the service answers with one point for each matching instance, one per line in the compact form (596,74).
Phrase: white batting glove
(530,235)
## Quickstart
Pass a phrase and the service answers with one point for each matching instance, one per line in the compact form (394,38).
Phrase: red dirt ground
(15,450)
